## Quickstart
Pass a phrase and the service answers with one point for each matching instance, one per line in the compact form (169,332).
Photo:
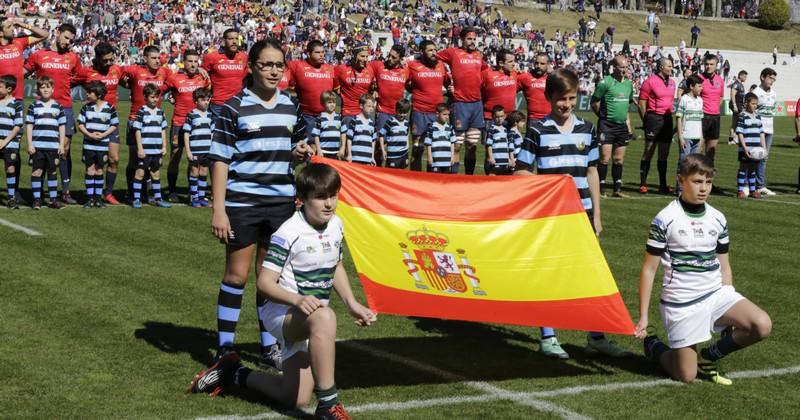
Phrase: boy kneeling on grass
(690,239)
(303,264)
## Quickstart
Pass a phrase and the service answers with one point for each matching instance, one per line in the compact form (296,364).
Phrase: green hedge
(773,13)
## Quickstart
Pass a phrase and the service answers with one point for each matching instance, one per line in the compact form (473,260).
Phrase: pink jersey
(391,85)
(658,93)
(533,89)
(713,91)
(309,82)
(352,84)
(465,69)
(59,67)
(498,88)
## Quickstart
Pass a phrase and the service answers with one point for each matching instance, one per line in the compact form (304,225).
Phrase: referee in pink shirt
(655,108)
(713,91)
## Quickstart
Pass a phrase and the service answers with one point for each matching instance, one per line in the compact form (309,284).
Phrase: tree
(773,14)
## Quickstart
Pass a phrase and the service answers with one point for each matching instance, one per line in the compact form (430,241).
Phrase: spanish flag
(509,250)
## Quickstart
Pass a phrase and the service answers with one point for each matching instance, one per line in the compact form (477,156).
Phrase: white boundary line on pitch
(20,228)
(497,394)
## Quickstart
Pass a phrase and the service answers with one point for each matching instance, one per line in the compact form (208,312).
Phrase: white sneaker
(766,191)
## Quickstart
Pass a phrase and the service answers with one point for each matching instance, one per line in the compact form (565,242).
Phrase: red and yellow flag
(511,250)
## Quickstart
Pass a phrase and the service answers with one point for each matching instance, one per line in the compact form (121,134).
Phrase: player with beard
(227,69)
(61,65)
(532,85)
(309,78)
(426,77)
(104,70)
(182,86)
(390,82)
(11,62)
(499,87)
(466,65)
(713,91)
(353,80)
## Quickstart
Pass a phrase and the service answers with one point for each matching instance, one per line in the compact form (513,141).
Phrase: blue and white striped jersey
(328,128)
(151,122)
(362,135)
(440,138)
(554,152)
(256,140)
(502,146)
(750,126)
(10,117)
(516,138)
(200,127)
(395,138)
(46,118)
(97,121)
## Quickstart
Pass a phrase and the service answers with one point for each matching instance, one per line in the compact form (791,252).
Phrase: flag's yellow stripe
(552,258)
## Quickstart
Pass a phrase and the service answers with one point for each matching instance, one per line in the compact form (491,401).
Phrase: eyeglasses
(269,65)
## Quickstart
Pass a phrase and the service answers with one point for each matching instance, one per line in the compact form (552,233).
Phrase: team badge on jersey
(440,270)
(581,145)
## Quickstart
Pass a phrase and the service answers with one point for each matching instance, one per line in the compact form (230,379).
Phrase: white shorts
(272,315)
(692,324)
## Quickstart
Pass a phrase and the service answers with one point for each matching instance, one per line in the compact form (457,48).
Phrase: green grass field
(109,314)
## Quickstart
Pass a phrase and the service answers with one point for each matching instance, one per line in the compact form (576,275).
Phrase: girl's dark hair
(318,180)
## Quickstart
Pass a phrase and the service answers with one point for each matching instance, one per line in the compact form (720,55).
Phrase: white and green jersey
(766,107)
(306,257)
(688,245)
(691,110)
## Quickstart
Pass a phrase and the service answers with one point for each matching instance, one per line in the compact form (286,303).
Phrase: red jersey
(110,79)
(227,74)
(139,76)
(182,87)
(465,69)
(286,80)
(309,82)
(497,88)
(352,84)
(426,84)
(533,89)
(391,85)
(11,62)
(59,67)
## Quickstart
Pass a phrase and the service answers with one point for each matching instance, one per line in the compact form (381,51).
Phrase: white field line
(20,228)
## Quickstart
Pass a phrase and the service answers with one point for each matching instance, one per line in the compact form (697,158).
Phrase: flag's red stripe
(455,197)
(601,313)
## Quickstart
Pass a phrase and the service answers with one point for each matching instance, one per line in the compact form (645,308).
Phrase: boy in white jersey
(690,239)
(303,264)
(766,110)
(689,117)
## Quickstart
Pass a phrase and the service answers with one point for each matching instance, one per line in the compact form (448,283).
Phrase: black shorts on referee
(658,128)
(612,133)
(710,126)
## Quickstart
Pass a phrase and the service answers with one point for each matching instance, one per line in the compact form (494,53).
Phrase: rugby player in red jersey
(426,79)
(466,65)
(390,83)
(60,64)
(311,77)
(353,80)
(499,87)
(532,86)
(136,77)
(104,70)
(182,86)
(227,69)
(11,62)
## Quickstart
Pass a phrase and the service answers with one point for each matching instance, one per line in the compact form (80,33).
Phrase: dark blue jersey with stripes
(10,117)
(554,152)
(502,146)
(362,135)
(749,125)
(328,128)
(395,137)
(440,137)
(151,122)
(256,140)
(46,118)
(97,121)
(200,126)
(516,138)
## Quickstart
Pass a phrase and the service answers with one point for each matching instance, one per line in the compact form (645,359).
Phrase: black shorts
(499,170)
(710,127)
(255,225)
(150,162)
(613,133)
(45,159)
(94,157)
(114,137)
(10,156)
(658,128)
(200,160)
(399,163)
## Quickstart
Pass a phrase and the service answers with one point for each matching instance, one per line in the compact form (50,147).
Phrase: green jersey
(614,97)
